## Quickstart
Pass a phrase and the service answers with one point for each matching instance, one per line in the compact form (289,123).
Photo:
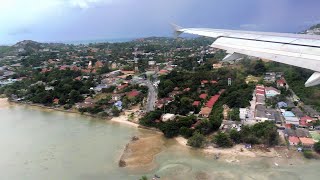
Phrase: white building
(271,92)
(168,117)
(243,113)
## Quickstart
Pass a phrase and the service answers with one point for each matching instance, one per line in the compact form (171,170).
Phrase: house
(88,103)
(281,83)
(305,120)
(121,87)
(307,142)
(271,92)
(213,82)
(293,141)
(270,77)
(282,104)
(163,72)
(260,113)
(100,87)
(203,96)
(227,125)
(205,112)
(133,93)
(217,65)
(311,112)
(243,113)
(49,88)
(98,64)
(297,111)
(55,101)
(203,82)
(300,132)
(212,101)
(196,103)
(118,105)
(168,117)
(290,118)
(260,100)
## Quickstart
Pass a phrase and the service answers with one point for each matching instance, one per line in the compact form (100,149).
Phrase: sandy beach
(142,151)
(4,103)
(123,119)
(240,152)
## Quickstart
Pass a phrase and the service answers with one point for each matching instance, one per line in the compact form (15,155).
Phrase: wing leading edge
(293,49)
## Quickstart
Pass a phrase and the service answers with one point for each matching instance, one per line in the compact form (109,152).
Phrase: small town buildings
(305,121)
(271,92)
(205,112)
(168,117)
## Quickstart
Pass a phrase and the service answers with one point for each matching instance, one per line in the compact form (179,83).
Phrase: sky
(75,20)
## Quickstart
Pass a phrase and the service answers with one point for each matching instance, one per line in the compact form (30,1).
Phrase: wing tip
(177,29)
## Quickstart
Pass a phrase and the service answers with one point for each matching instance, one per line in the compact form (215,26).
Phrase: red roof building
(294,141)
(196,103)
(187,89)
(133,93)
(56,101)
(203,96)
(307,142)
(212,101)
(304,121)
(122,86)
(98,64)
(204,82)
(213,82)
(163,72)
(281,82)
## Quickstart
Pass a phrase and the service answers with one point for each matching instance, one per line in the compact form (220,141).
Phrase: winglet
(177,30)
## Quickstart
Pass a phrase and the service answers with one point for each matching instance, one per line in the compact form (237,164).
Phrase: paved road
(152,96)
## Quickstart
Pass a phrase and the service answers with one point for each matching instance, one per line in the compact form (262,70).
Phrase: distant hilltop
(313,30)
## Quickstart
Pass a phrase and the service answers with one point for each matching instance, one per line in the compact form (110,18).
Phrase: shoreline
(236,154)
(228,154)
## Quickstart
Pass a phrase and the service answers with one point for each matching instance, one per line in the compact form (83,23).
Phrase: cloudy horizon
(75,20)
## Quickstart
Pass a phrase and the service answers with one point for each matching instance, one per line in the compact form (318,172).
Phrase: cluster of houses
(6,75)
(299,137)
(262,113)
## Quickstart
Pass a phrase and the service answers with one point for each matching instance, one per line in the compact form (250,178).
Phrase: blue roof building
(282,104)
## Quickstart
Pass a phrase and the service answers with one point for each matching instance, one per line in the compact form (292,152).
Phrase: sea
(43,144)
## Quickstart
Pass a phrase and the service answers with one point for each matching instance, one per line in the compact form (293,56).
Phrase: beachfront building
(307,142)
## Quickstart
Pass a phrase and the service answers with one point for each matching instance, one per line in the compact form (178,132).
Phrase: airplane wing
(299,50)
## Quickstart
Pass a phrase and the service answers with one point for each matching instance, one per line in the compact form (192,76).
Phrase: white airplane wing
(294,49)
